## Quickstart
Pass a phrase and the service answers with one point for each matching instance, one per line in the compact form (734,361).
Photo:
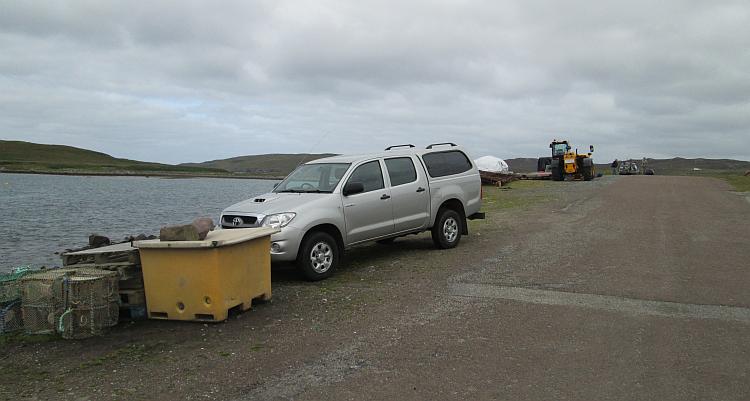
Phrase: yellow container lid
(214,239)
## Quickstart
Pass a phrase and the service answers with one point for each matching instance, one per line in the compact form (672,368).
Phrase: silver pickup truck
(328,205)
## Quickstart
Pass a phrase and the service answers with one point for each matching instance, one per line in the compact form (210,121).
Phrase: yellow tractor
(569,163)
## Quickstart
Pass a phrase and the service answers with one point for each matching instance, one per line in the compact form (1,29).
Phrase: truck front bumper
(285,244)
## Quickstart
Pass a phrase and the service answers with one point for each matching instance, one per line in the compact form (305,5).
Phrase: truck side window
(401,170)
(370,175)
(440,164)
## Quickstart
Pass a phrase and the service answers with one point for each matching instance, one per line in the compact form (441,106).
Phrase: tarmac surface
(625,288)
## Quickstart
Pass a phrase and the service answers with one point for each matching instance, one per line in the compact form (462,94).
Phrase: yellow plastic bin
(203,280)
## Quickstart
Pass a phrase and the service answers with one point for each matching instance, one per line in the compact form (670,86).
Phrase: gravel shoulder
(391,324)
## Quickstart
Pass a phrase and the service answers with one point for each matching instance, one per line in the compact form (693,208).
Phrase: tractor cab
(559,148)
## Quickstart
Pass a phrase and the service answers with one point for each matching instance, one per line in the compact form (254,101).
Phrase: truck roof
(402,151)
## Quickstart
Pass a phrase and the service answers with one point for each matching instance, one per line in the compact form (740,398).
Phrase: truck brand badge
(237,221)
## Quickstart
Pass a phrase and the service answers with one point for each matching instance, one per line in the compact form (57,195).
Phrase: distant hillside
(676,166)
(681,166)
(274,165)
(22,156)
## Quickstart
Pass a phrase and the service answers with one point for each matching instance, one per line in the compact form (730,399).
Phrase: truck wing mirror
(591,148)
(352,188)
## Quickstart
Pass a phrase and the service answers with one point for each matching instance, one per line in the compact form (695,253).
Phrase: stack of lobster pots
(74,303)
(123,259)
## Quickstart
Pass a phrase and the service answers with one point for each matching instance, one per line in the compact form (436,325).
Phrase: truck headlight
(278,220)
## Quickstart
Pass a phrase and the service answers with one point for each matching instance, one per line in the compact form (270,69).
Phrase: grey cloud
(183,81)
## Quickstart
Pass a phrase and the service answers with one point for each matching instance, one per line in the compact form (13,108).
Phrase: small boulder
(203,225)
(186,232)
(195,231)
(96,241)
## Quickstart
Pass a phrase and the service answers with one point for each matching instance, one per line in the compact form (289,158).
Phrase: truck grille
(235,221)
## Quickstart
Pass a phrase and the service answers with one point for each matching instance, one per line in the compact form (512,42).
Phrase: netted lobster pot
(84,321)
(38,302)
(76,303)
(10,317)
(10,285)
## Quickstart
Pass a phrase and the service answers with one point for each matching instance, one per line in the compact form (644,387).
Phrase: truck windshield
(314,177)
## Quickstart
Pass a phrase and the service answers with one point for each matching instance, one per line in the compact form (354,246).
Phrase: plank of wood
(122,247)
(105,266)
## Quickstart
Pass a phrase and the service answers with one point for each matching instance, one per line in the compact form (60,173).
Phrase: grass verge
(15,338)
(517,194)
(740,183)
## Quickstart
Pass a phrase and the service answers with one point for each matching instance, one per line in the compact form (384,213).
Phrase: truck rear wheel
(318,256)
(446,233)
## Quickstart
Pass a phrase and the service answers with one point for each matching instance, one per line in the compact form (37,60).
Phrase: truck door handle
(420,189)
(385,196)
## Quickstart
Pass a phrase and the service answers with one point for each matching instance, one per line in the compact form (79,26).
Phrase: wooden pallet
(117,253)
(131,283)
(122,258)
(133,304)
(499,179)
(133,313)
(132,298)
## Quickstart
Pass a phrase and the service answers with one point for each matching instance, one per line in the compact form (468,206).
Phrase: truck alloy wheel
(446,233)
(318,256)
(321,257)
(450,229)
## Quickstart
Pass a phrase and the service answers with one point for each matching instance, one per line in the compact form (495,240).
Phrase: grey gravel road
(632,288)
(625,288)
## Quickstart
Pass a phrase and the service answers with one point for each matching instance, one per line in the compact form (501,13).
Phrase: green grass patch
(740,183)
(736,179)
(34,157)
(518,194)
(22,338)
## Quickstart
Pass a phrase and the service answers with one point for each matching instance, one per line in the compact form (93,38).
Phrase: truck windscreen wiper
(305,191)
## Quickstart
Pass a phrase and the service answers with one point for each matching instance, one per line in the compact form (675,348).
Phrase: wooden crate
(130,298)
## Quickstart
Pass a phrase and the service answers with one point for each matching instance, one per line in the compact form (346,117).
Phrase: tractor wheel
(588,173)
(557,174)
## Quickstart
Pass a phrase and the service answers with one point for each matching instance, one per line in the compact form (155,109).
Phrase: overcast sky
(190,81)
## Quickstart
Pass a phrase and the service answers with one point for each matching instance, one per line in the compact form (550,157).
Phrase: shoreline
(147,175)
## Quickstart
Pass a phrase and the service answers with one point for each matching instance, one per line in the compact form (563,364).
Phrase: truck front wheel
(446,233)
(318,256)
